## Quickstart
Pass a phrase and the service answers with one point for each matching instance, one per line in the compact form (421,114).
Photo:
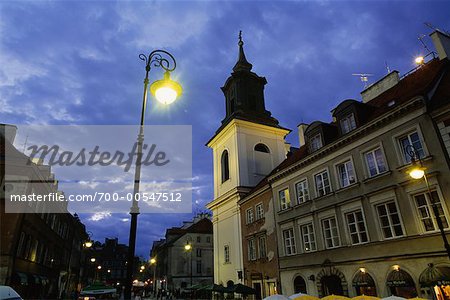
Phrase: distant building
(177,268)
(41,253)
(112,258)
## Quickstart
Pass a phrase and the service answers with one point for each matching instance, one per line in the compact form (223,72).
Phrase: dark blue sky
(72,62)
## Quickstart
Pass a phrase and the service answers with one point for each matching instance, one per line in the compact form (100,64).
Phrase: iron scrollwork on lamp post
(165,91)
(417,171)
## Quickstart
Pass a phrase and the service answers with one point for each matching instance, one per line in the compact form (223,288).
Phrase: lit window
(346,173)
(289,242)
(251,249)
(259,211)
(348,123)
(356,227)
(302,191)
(309,240)
(389,220)
(375,162)
(425,209)
(285,200)
(315,143)
(249,214)
(323,186)
(225,166)
(262,247)
(413,140)
(226,253)
(330,232)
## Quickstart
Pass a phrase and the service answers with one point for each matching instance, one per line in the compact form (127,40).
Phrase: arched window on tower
(263,160)
(225,166)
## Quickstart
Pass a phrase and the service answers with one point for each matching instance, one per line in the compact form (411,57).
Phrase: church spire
(242,64)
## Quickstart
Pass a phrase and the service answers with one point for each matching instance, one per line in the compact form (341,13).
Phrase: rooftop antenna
(364,77)
(420,38)
(25,144)
(387,67)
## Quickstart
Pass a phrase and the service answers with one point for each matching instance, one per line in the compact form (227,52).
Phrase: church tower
(246,147)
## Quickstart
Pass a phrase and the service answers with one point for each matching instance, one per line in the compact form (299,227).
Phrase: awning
(243,289)
(435,275)
(363,279)
(399,278)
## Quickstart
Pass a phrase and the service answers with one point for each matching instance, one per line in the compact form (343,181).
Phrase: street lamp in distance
(417,171)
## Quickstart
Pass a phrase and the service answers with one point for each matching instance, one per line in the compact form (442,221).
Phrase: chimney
(9,132)
(301,133)
(441,43)
(380,86)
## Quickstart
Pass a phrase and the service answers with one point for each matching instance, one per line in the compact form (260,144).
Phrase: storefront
(401,284)
(364,283)
(435,281)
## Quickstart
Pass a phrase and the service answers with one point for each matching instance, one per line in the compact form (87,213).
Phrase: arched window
(364,284)
(401,284)
(263,160)
(225,167)
(262,148)
(299,285)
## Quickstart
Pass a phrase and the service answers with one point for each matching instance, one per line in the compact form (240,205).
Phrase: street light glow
(153,261)
(187,247)
(93,259)
(88,244)
(419,60)
(166,90)
(99,267)
(417,173)
(142,267)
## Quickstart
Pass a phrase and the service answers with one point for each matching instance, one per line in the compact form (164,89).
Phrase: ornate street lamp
(165,91)
(417,171)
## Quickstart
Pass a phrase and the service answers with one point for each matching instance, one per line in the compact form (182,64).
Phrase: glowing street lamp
(93,259)
(165,91)
(419,60)
(417,171)
(188,248)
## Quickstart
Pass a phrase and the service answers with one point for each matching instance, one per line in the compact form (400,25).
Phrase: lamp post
(417,171)
(153,263)
(165,91)
(188,248)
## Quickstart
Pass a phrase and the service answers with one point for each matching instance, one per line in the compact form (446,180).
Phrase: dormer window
(315,143)
(348,123)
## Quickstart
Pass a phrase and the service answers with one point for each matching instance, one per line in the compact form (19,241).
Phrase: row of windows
(259,213)
(389,220)
(375,164)
(36,251)
(199,239)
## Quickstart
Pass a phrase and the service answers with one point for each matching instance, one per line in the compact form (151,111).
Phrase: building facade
(246,147)
(260,249)
(350,220)
(177,268)
(42,253)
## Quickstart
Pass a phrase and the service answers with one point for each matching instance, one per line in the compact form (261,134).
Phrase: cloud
(99,216)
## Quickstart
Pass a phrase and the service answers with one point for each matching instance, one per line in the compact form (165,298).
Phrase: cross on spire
(242,63)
